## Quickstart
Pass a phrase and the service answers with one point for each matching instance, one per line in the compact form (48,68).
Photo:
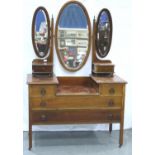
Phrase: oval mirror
(41,32)
(73,36)
(103,33)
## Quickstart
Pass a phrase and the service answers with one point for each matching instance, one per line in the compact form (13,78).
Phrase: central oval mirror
(73,36)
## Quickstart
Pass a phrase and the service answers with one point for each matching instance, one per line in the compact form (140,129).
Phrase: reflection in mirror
(104,33)
(41,32)
(72,36)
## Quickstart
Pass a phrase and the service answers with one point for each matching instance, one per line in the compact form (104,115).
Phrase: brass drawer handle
(111,103)
(43,117)
(110,116)
(43,104)
(43,91)
(112,91)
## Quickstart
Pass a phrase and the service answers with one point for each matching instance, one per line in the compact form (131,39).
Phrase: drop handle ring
(43,91)
(110,116)
(43,117)
(43,104)
(112,91)
(111,103)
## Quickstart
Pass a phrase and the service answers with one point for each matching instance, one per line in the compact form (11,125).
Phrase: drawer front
(74,102)
(74,116)
(101,69)
(41,102)
(42,90)
(43,68)
(111,89)
(113,102)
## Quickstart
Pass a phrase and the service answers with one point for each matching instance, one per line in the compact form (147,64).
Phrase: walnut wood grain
(79,102)
(110,80)
(103,68)
(74,116)
(42,80)
(113,89)
(42,90)
(71,100)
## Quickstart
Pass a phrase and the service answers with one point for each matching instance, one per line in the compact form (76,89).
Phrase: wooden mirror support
(42,39)
(101,45)
(73,35)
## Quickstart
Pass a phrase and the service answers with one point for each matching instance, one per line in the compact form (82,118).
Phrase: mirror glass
(104,33)
(40,32)
(73,33)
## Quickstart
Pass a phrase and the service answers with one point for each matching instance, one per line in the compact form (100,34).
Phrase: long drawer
(42,90)
(77,102)
(74,116)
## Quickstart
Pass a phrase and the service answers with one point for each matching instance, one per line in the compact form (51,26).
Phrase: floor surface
(78,143)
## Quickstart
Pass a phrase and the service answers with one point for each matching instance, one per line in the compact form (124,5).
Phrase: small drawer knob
(111,103)
(43,91)
(110,116)
(112,91)
(43,104)
(43,117)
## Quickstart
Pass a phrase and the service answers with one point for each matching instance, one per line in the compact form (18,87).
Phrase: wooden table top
(54,80)
(41,80)
(114,79)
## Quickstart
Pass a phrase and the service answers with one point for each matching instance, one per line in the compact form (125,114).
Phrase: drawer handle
(43,104)
(43,92)
(112,91)
(110,116)
(43,117)
(111,103)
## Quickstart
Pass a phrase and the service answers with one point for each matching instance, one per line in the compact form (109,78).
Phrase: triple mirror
(72,35)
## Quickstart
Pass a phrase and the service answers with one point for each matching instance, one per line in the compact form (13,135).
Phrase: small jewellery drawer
(74,116)
(111,89)
(42,90)
(42,68)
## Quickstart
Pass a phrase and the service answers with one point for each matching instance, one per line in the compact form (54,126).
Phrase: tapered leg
(110,127)
(121,135)
(30,124)
(30,136)
(122,120)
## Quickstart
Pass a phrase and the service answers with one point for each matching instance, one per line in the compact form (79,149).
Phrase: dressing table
(96,98)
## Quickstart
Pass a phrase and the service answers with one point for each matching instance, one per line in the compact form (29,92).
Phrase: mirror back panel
(41,32)
(103,33)
(73,36)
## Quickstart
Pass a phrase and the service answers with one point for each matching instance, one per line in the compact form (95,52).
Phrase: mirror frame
(89,36)
(111,31)
(33,32)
